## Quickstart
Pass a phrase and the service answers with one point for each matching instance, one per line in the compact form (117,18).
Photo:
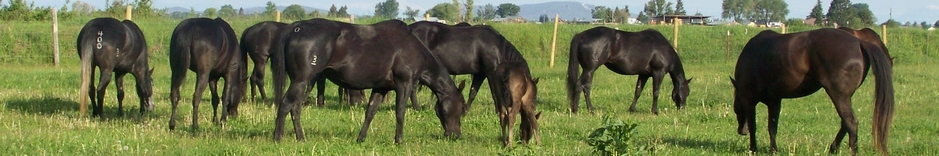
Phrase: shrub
(613,138)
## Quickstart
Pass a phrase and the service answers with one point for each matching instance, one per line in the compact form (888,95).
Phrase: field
(39,114)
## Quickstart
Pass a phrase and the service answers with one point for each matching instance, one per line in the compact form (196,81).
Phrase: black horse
(465,49)
(258,40)
(210,49)
(516,92)
(774,66)
(646,53)
(118,47)
(383,56)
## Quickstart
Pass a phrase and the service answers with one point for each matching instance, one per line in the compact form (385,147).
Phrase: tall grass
(39,115)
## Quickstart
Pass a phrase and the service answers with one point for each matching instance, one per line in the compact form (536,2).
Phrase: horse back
(210,44)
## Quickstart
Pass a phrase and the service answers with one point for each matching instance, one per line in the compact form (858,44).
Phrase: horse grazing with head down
(210,49)
(646,53)
(516,91)
(383,56)
(774,66)
(118,47)
(465,49)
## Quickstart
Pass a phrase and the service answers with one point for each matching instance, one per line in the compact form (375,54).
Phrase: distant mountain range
(566,10)
(251,10)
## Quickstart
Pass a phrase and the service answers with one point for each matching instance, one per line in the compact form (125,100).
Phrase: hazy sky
(903,10)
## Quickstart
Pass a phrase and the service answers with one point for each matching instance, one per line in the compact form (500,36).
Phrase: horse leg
(178,77)
(202,81)
(474,88)
(403,93)
(295,95)
(213,89)
(772,107)
(104,80)
(416,106)
(849,123)
(376,99)
(640,84)
(529,125)
(320,91)
(657,78)
(92,91)
(295,116)
(586,80)
(504,124)
(119,83)
(257,79)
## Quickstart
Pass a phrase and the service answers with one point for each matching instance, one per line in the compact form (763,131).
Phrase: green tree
(602,13)
(770,10)
(840,12)
(488,12)
(642,17)
(210,13)
(387,9)
(738,10)
(332,11)
(817,11)
(680,8)
(864,14)
(936,24)
(294,12)
(507,9)
(116,9)
(343,11)
(445,11)
(468,12)
(315,14)
(890,23)
(227,11)
(544,18)
(658,7)
(411,13)
(270,10)
(621,16)
(924,24)
(82,8)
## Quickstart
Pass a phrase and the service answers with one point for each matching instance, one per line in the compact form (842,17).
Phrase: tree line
(21,10)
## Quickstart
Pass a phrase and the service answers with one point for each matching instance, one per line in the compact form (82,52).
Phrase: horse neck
(440,83)
(677,73)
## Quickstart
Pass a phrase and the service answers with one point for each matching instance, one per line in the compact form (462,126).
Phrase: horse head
(146,101)
(450,110)
(680,94)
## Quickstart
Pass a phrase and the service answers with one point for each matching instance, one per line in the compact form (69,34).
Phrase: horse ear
(732,81)
(689,80)
(538,115)
(151,71)
(461,86)
(535,81)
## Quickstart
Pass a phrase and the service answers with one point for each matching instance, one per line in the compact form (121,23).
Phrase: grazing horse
(257,41)
(118,47)
(465,49)
(774,66)
(383,56)
(516,90)
(866,34)
(210,49)
(646,53)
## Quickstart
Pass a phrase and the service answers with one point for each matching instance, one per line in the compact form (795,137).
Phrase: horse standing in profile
(646,53)
(258,42)
(774,66)
(383,56)
(210,49)
(115,47)
(465,49)
(516,91)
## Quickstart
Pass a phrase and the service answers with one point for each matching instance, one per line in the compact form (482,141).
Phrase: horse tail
(884,94)
(278,66)
(86,44)
(573,87)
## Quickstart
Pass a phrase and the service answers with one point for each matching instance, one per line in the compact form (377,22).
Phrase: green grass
(39,114)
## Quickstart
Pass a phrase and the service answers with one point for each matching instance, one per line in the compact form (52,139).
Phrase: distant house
(685,19)
(431,19)
(511,19)
(809,21)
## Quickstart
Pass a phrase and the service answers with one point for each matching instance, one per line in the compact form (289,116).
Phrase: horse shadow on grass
(51,105)
(717,146)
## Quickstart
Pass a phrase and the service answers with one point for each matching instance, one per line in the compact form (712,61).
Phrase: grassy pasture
(39,114)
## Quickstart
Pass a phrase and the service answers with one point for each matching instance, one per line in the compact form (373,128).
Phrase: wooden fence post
(883,28)
(55,37)
(676,22)
(783,28)
(128,13)
(554,39)
(351,18)
(727,51)
(277,16)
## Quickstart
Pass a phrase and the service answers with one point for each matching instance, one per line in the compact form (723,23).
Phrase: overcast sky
(903,10)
